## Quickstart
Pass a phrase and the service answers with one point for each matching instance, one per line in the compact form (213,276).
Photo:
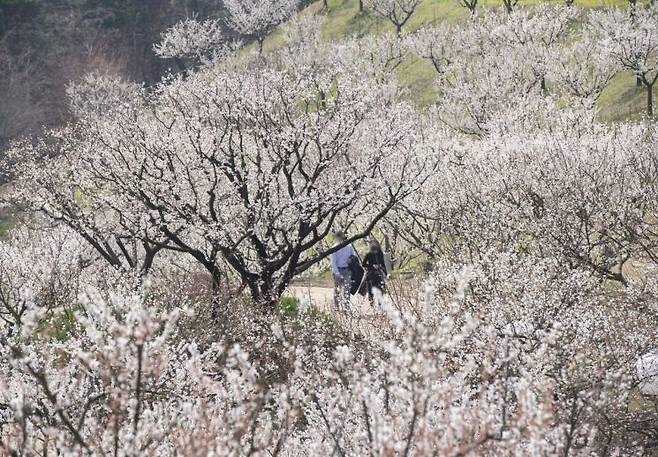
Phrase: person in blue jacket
(342,273)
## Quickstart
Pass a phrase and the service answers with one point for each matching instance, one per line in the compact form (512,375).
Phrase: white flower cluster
(192,38)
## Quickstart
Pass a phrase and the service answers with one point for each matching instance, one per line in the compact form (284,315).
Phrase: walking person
(342,273)
(375,269)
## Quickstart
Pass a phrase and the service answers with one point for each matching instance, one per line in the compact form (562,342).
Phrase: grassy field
(621,100)
(5,225)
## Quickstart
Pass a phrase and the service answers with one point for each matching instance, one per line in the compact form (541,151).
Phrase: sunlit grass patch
(622,99)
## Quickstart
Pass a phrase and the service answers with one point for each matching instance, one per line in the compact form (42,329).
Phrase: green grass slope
(5,226)
(621,99)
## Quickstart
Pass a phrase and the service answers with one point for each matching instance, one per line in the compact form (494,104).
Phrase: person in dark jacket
(375,269)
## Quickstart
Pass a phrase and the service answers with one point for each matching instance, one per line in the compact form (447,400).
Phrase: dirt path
(323,298)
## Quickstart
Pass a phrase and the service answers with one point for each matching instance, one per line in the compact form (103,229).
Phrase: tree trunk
(217,302)
(650,100)
(264,295)
(632,4)
(508,6)
(472,6)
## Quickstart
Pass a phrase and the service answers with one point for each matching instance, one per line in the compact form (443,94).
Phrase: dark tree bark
(649,83)
(650,100)
(632,9)
(470,5)
(510,5)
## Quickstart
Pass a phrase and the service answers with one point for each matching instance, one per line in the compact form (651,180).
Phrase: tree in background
(22,83)
(633,42)
(396,11)
(193,41)
(46,45)
(537,35)
(510,5)
(17,11)
(470,5)
(584,68)
(437,44)
(257,18)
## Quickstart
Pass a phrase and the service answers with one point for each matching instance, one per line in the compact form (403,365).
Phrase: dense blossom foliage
(192,38)
(257,18)
(139,292)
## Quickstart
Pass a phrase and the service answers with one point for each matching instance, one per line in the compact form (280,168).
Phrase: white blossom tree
(536,35)
(493,63)
(633,41)
(438,45)
(40,271)
(250,168)
(257,18)
(589,202)
(397,12)
(191,38)
(584,68)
